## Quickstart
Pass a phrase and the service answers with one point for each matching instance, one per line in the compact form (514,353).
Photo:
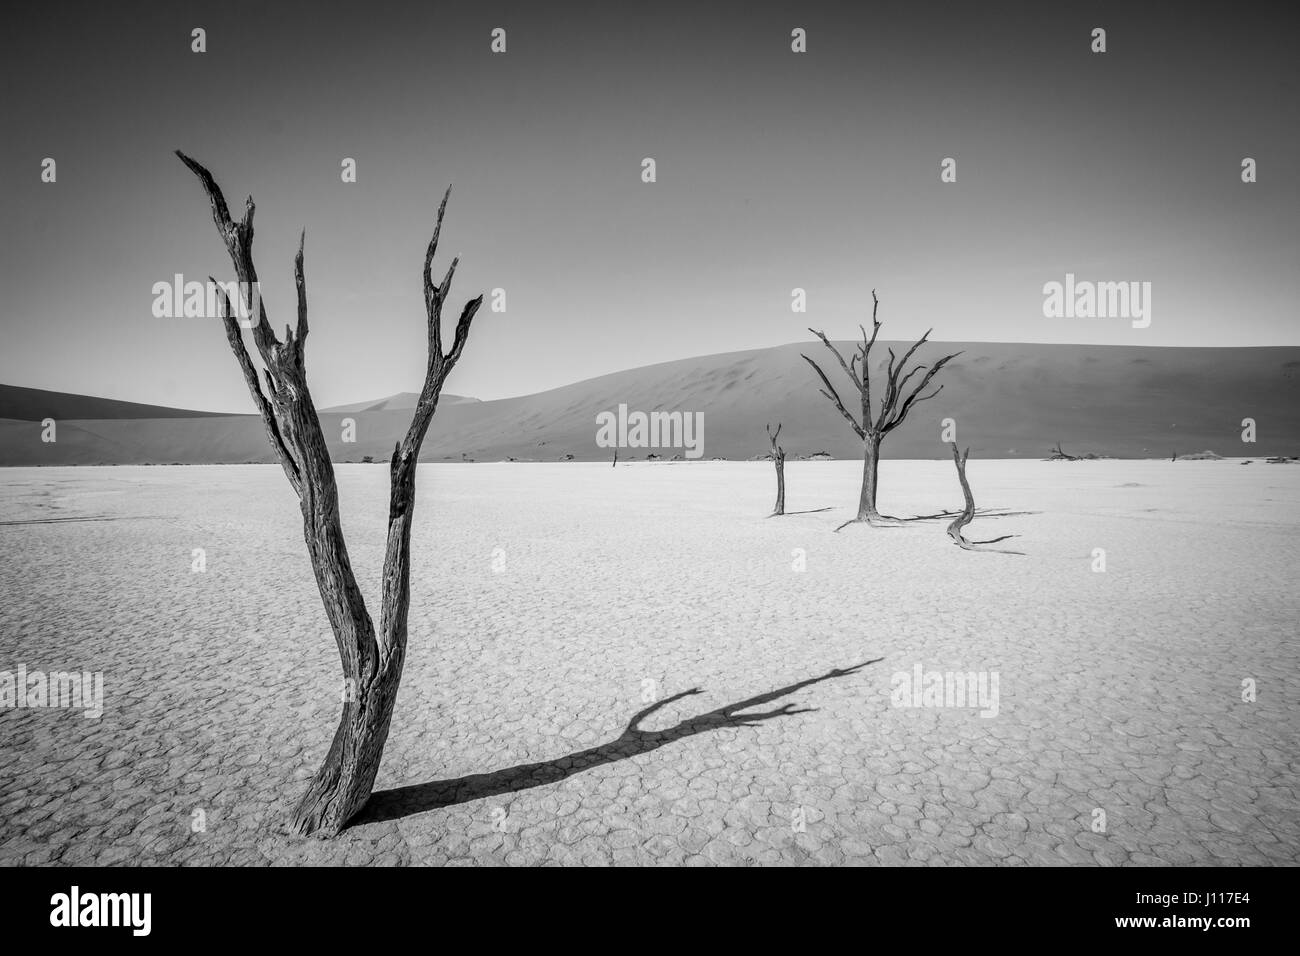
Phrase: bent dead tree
(778,458)
(968,513)
(372,659)
(895,403)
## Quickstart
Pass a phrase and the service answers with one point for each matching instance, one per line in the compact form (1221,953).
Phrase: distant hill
(35,404)
(1008,400)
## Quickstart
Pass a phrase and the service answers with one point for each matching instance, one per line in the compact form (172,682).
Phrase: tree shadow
(979,513)
(889,521)
(417,798)
(786,514)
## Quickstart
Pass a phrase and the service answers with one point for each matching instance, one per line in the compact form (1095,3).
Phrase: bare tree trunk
(778,459)
(371,661)
(870,469)
(780,487)
(615,464)
(968,512)
(344,782)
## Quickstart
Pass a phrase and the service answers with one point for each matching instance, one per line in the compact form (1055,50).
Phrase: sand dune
(1009,400)
(34,404)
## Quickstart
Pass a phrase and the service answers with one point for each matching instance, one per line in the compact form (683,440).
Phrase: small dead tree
(372,660)
(778,458)
(1058,455)
(968,513)
(895,403)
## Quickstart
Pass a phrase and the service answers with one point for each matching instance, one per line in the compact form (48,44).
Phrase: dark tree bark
(968,512)
(372,660)
(895,402)
(778,459)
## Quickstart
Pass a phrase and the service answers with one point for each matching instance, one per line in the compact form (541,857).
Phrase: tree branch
(267,413)
(865,352)
(916,395)
(238,238)
(294,428)
(301,284)
(433,294)
(834,397)
(840,358)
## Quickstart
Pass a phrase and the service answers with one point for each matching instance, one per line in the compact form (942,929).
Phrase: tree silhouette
(372,659)
(895,403)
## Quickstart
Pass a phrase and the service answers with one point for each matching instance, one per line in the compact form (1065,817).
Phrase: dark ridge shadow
(417,798)
(9,524)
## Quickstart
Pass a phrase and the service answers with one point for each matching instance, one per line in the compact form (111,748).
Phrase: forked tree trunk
(344,782)
(371,660)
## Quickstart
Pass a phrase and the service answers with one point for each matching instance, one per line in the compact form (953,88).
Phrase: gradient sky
(775,170)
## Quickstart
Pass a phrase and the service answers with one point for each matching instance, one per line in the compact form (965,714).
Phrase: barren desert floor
(552,603)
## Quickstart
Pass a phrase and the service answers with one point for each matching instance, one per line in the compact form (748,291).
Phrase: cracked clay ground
(554,602)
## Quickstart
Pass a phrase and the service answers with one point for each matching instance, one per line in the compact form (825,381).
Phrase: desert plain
(636,665)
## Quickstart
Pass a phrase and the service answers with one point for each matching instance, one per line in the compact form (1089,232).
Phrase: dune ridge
(1009,400)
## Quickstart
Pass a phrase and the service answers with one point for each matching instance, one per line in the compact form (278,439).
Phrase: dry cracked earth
(636,666)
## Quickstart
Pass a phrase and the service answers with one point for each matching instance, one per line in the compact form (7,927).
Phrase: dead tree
(372,660)
(968,513)
(895,403)
(778,459)
(1058,455)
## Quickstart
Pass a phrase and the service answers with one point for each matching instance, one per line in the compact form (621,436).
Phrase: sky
(775,170)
